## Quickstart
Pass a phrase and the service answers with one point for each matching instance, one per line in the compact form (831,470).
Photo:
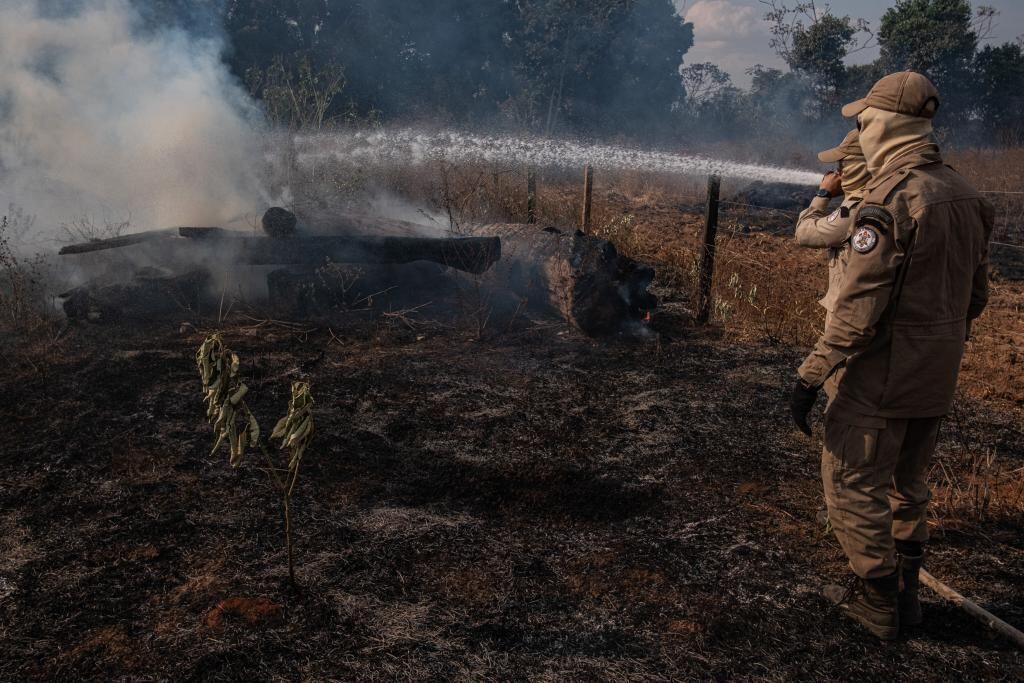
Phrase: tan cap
(849,147)
(905,92)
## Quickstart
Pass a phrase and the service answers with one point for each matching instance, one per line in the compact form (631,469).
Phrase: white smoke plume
(102,119)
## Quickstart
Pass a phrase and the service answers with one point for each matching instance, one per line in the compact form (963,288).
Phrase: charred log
(469,254)
(118,242)
(278,222)
(339,287)
(581,277)
(149,294)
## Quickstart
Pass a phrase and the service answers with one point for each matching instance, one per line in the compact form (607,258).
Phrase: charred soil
(534,504)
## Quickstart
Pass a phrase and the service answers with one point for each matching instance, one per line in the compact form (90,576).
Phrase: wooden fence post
(588,193)
(707,255)
(531,196)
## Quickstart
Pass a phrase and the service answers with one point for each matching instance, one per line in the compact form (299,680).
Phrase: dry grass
(971,488)
(999,173)
(29,327)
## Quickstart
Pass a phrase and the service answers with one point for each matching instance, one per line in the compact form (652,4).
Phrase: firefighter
(817,228)
(916,278)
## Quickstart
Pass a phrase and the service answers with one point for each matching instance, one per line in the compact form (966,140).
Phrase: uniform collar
(924,157)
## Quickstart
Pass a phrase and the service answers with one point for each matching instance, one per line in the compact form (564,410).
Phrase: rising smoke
(101,118)
(106,118)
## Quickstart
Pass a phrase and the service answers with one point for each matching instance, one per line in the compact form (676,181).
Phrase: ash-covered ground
(533,505)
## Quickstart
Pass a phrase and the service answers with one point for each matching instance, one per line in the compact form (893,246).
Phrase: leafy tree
(294,94)
(450,59)
(558,43)
(814,42)
(712,106)
(818,52)
(778,100)
(636,82)
(859,79)
(938,38)
(1000,92)
(581,65)
(602,65)
(703,82)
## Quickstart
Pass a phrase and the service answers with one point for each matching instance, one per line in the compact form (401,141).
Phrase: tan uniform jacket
(818,229)
(900,319)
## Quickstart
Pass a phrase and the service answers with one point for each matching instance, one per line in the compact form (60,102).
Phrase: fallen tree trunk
(581,277)
(117,242)
(471,254)
(339,287)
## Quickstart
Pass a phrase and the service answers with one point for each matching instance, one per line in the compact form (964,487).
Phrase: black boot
(872,603)
(910,557)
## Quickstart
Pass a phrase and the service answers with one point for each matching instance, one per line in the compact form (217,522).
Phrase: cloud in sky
(718,21)
(731,34)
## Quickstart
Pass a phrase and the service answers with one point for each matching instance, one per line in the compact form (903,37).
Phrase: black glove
(804,398)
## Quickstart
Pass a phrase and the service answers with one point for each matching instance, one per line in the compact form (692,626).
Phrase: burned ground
(534,504)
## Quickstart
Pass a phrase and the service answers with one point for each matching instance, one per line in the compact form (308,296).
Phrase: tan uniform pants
(874,471)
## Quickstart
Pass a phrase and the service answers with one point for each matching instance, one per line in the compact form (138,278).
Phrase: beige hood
(886,136)
(855,177)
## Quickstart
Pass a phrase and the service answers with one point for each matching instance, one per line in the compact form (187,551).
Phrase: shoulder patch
(864,239)
(842,212)
(876,217)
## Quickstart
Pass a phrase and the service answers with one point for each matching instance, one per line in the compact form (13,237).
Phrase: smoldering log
(278,222)
(342,287)
(468,254)
(148,294)
(117,242)
(583,278)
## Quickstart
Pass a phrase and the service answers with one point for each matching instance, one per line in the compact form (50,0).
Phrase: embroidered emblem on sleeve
(864,239)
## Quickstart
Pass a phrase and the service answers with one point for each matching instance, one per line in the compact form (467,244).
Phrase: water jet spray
(411,147)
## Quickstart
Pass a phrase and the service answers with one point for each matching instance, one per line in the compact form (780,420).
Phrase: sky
(733,34)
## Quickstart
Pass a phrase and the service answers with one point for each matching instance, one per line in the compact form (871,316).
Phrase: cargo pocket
(923,369)
(853,450)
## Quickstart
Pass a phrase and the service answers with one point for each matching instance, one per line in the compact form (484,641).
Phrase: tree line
(981,86)
(602,68)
